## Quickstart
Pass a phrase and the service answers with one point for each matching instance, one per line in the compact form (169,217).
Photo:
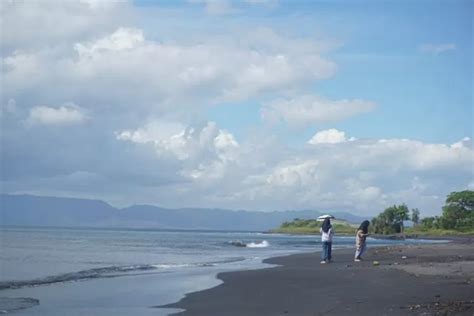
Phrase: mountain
(29,210)
(32,210)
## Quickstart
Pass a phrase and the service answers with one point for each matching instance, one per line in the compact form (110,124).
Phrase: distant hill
(312,226)
(29,210)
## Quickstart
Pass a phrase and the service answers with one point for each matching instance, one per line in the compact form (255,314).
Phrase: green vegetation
(458,213)
(390,221)
(457,218)
(312,226)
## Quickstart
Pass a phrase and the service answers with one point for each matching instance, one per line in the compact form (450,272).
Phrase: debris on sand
(442,308)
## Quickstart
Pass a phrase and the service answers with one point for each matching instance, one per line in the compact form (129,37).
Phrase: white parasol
(323,217)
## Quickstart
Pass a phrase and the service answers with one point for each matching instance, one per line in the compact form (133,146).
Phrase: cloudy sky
(253,104)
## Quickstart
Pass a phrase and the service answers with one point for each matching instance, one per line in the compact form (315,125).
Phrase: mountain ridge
(31,210)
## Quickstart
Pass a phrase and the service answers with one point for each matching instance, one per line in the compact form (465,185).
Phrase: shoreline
(418,279)
(140,291)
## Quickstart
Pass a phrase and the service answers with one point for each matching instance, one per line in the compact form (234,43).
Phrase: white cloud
(294,174)
(330,136)
(124,68)
(30,25)
(121,39)
(436,48)
(465,142)
(420,156)
(360,175)
(102,4)
(309,109)
(91,52)
(64,115)
(205,152)
(208,167)
(156,131)
(361,192)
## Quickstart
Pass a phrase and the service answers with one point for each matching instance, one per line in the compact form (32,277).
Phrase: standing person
(361,235)
(326,239)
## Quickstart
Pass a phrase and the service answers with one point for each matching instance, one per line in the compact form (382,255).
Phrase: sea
(79,271)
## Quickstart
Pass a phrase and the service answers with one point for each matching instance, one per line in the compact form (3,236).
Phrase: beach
(127,272)
(428,279)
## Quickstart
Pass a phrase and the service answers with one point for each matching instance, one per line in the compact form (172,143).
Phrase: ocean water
(113,272)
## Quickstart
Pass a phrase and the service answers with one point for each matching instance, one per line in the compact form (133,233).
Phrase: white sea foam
(173,265)
(262,244)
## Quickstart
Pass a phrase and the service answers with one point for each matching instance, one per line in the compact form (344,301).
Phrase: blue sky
(345,105)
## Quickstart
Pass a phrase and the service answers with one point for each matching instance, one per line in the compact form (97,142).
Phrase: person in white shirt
(326,239)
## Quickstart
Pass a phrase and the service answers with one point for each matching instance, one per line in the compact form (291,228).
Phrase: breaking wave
(239,243)
(262,244)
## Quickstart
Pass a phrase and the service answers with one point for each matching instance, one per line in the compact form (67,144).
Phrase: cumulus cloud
(121,39)
(420,156)
(102,4)
(126,77)
(32,25)
(436,49)
(149,140)
(205,151)
(157,131)
(465,142)
(361,192)
(134,70)
(310,109)
(294,174)
(330,136)
(363,175)
(63,115)
(359,175)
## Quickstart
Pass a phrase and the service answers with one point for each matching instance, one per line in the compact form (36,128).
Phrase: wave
(239,243)
(110,272)
(262,244)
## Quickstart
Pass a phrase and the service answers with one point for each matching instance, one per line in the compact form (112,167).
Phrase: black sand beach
(429,279)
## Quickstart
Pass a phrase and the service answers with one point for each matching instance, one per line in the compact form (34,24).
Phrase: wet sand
(428,279)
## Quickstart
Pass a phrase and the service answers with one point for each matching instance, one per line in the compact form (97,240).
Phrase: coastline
(418,279)
(140,293)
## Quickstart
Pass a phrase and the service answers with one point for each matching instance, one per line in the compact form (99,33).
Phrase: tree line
(457,214)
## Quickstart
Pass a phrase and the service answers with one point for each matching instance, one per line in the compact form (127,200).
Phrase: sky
(253,104)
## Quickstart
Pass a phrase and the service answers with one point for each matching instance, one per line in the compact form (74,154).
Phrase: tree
(428,222)
(401,215)
(415,216)
(458,213)
(383,223)
(391,220)
(464,199)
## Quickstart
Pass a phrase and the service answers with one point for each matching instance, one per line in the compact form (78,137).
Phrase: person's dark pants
(327,249)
